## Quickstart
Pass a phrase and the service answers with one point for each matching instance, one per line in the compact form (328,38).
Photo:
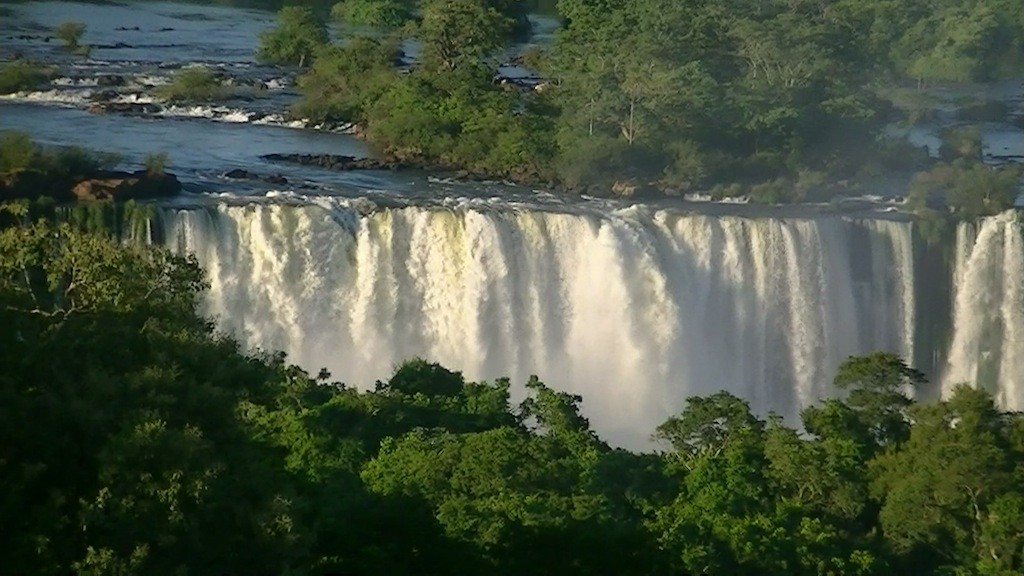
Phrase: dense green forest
(134,439)
(777,99)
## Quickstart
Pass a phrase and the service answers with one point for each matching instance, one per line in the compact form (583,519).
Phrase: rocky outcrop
(338,162)
(122,186)
(631,189)
(108,80)
(102,185)
(239,174)
(126,108)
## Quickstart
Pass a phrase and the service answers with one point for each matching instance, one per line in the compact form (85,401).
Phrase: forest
(782,101)
(136,439)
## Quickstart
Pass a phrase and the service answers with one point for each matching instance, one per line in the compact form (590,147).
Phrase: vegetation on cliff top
(675,95)
(22,76)
(194,84)
(178,449)
(30,171)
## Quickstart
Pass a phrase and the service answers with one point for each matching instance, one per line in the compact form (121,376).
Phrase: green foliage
(70,33)
(344,82)
(945,492)
(17,152)
(458,119)
(381,14)
(194,84)
(22,76)
(156,164)
(421,377)
(455,33)
(114,463)
(963,142)
(30,171)
(969,189)
(880,386)
(296,38)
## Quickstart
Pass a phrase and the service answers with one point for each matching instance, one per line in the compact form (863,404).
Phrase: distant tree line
(780,98)
(135,439)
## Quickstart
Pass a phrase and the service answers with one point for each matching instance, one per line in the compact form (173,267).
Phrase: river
(633,306)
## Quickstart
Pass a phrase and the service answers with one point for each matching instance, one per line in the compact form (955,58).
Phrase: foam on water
(635,309)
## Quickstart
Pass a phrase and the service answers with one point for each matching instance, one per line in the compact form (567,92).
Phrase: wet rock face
(100,186)
(239,174)
(122,186)
(111,80)
(126,108)
(630,189)
(337,162)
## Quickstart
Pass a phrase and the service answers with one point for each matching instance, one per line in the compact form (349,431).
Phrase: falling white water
(987,347)
(635,310)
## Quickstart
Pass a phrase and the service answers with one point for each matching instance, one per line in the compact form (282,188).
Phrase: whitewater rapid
(987,347)
(635,309)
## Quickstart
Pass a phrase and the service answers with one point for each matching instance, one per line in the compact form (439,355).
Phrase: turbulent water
(988,338)
(636,309)
(633,308)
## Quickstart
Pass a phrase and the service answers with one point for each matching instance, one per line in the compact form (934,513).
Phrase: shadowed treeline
(135,440)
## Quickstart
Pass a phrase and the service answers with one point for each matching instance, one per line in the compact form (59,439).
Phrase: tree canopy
(783,100)
(136,440)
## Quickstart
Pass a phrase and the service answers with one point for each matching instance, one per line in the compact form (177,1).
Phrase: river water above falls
(635,307)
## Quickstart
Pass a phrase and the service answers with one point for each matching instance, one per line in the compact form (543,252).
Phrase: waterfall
(634,309)
(987,347)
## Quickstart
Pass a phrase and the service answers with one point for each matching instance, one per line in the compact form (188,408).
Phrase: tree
(946,492)
(456,33)
(710,425)
(344,82)
(296,38)
(383,14)
(95,489)
(71,34)
(879,386)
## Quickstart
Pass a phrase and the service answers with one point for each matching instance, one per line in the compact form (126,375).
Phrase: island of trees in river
(778,101)
(782,101)
(136,440)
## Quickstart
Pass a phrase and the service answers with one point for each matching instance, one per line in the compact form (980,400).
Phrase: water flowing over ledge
(988,315)
(636,309)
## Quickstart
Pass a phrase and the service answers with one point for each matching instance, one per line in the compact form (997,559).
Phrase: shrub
(193,84)
(962,142)
(980,190)
(916,106)
(17,152)
(810,184)
(968,189)
(30,170)
(344,82)
(590,160)
(688,168)
(386,14)
(901,154)
(983,111)
(156,164)
(71,34)
(22,76)
(723,191)
(777,191)
(296,38)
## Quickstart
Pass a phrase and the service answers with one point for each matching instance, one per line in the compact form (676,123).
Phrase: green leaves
(946,490)
(708,426)
(295,40)
(381,14)
(879,388)
(457,33)
(132,440)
